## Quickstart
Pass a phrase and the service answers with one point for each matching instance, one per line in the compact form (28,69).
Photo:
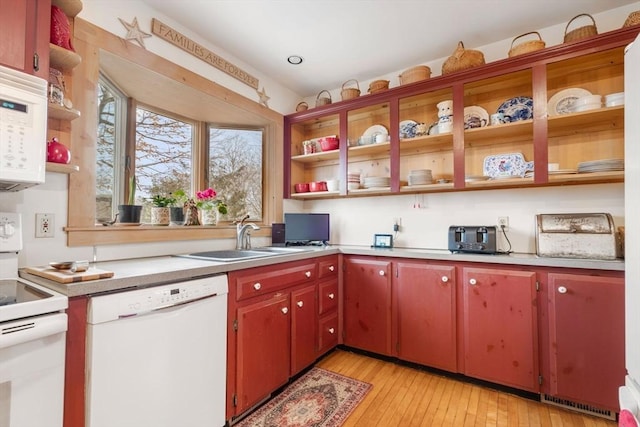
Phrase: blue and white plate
(518,108)
(506,166)
(408,129)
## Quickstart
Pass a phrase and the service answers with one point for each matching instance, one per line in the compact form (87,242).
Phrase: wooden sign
(183,42)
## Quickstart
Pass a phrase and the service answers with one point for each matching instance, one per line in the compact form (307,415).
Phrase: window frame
(82,229)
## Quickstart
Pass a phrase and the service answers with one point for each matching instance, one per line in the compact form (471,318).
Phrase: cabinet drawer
(328,333)
(260,281)
(328,296)
(328,267)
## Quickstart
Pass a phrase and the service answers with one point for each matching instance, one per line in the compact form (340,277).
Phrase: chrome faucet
(243,233)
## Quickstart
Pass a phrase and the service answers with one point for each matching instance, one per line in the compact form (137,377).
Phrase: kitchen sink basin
(242,254)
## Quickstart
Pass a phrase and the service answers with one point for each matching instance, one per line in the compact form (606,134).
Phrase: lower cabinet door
(500,327)
(586,316)
(263,349)
(303,328)
(425,297)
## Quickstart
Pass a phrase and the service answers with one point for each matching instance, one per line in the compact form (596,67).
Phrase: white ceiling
(361,39)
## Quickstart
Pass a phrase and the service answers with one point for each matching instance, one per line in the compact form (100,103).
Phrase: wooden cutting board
(66,276)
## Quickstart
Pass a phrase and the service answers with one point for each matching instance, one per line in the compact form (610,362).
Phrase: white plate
(561,102)
(408,129)
(475,112)
(375,130)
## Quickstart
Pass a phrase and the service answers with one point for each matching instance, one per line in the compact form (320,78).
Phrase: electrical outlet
(396,224)
(503,223)
(44,225)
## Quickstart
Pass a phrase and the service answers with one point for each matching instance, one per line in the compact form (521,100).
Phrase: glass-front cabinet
(549,117)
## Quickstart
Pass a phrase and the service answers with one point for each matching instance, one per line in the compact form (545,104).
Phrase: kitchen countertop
(142,272)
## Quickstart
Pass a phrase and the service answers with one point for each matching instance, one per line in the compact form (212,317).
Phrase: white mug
(333,185)
(499,118)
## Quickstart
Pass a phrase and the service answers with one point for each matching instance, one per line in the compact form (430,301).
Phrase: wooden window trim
(89,42)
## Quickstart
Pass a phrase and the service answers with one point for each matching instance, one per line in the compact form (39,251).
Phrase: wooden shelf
(593,120)
(71,8)
(59,112)
(62,59)
(61,168)
(502,134)
(429,143)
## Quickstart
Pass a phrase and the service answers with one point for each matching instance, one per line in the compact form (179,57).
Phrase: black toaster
(480,239)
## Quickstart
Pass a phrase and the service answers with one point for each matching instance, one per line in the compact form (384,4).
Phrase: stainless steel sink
(238,255)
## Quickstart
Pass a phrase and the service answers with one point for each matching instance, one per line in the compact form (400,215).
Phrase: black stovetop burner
(13,291)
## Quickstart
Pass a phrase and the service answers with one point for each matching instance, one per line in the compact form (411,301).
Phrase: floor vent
(580,407)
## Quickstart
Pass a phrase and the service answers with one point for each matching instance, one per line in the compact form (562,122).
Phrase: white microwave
(23,129)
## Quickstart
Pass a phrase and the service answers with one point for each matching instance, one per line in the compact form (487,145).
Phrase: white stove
(33,329)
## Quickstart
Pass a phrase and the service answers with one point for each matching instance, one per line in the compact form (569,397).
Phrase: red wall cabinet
(24,31)
(500,326)
(586,334)
(425,314)
(367,304)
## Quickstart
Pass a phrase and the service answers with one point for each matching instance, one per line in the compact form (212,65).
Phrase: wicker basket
(462,59)
(581,32)
(350,92)
(415,74)
(324,100)
(528,46)
(632,19)
(302,106)
(378,86)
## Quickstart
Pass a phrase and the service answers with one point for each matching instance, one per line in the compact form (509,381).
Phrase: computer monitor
(306,228)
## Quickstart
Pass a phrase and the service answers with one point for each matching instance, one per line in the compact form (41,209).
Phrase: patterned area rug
(319,398)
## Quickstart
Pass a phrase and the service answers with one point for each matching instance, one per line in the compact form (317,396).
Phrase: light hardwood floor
(404,396)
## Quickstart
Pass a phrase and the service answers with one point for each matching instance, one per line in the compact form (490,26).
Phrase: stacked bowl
(353,181)
(614,99)
(586,103)
(420,177)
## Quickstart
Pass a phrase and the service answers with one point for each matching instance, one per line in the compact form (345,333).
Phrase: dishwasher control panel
(142,301)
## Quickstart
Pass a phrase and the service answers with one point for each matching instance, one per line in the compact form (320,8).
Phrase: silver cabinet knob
(445,279)
(257,286)
(382,273)
(308,274)
(562,289)
(300,303)
(331,330)
(284,310)
(331,296)
(331,268)
(472,281)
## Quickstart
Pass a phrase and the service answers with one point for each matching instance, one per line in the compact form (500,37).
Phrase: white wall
(354,221)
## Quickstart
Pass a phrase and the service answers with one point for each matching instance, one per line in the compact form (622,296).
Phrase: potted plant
(210,206)
(130,212)
(160,211)
(176,209)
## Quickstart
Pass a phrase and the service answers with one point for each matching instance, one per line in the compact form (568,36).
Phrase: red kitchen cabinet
(425,307)
(586,334)
(263,340)
(303,328)
(367,304)
(328,304)
(500,331)
(24,31)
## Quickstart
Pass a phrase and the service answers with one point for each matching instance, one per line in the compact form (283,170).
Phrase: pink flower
(206,195)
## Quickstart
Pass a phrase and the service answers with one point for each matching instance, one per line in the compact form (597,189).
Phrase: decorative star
(134,32)
(263,97)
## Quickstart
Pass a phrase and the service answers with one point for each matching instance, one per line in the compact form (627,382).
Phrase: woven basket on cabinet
(581,32)
(462,59)
(378,86)
(526,47)
(350,92)
(632,19)
(415,74)
(324,100)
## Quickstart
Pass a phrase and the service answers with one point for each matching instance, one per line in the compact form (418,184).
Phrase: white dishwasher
(157,356)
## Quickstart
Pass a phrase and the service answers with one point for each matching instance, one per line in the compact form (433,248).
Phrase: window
(164,149)
(235,169)
(111,129)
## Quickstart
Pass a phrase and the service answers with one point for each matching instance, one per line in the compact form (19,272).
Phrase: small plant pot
(176,215)
(160,215)
(129,213)
(209,217)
